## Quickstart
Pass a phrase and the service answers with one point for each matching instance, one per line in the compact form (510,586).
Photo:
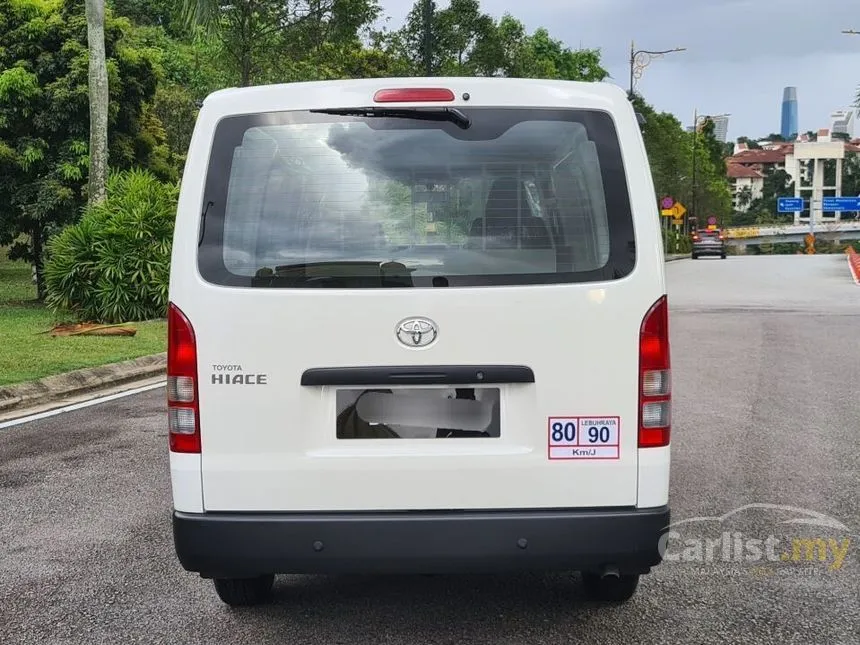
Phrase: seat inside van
(509,219)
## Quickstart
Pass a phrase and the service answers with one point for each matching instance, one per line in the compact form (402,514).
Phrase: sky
(740,53)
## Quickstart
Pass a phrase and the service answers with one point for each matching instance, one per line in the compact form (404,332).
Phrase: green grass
(27,355)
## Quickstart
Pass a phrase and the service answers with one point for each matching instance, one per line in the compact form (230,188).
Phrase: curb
(83,381)
(672,258)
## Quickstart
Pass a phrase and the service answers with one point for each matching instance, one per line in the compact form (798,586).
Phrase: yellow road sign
(677,211)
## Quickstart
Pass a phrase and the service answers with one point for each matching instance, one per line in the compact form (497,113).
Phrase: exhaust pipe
(610,573)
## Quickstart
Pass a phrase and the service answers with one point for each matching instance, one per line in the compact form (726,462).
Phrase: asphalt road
(766,366)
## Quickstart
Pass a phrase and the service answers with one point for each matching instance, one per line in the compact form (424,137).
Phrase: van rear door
(418,308)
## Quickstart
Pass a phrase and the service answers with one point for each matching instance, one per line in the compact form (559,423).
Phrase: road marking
(79,406)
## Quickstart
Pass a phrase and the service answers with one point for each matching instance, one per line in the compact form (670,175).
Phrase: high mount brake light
(414,95)
(655,389)
(183,406)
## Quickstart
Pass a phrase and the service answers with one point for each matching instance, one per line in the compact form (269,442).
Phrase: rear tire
(610,589)
(695,257)
(244,592)
(723,256)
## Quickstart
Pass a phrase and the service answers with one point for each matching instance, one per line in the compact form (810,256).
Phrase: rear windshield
(311,200)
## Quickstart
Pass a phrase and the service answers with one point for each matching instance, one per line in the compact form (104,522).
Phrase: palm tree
(745,198)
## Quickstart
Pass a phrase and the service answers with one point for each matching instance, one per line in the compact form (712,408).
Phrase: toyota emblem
(416,332)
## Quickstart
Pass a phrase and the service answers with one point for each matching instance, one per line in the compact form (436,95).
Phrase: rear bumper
(243,544)
(709,250)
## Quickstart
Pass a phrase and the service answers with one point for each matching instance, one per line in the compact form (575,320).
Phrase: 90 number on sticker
(600,435)
(599,432)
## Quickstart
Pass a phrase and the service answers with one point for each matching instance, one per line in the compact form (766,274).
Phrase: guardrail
(741,232)
(746,232)
(854,263)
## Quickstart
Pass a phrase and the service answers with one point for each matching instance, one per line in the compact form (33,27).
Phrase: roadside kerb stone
(82,381)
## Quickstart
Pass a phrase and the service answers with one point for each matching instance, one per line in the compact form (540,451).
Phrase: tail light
(183,410)
(655,377)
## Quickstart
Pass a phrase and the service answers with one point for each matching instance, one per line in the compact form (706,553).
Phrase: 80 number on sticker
(564,432)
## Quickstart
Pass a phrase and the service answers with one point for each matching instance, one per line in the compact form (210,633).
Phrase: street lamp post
(696,120)
(640,59)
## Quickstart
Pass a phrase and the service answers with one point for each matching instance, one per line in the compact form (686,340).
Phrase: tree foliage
(714,149)
(165,14)
(674,154)
(275,41)
(752,144)
(467,42)
(851,174)
(187,71)
(113,265)
(44,118)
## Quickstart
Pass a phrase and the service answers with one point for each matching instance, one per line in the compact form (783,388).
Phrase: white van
(418,326)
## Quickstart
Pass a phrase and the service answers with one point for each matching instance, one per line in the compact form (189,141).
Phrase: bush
(675,241)
(113,266)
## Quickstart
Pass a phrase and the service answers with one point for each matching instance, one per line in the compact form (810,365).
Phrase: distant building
(789,127)
(747,185)
(842,122)
(747,169)
(721,125)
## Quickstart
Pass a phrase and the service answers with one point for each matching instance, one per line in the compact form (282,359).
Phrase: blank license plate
(418,413)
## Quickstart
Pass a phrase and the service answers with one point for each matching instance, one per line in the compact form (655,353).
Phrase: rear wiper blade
(453,115)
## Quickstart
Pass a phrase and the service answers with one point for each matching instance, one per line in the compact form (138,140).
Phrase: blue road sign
(831,204)
(789,204)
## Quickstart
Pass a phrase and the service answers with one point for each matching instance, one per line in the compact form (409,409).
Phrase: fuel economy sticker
(584,437)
